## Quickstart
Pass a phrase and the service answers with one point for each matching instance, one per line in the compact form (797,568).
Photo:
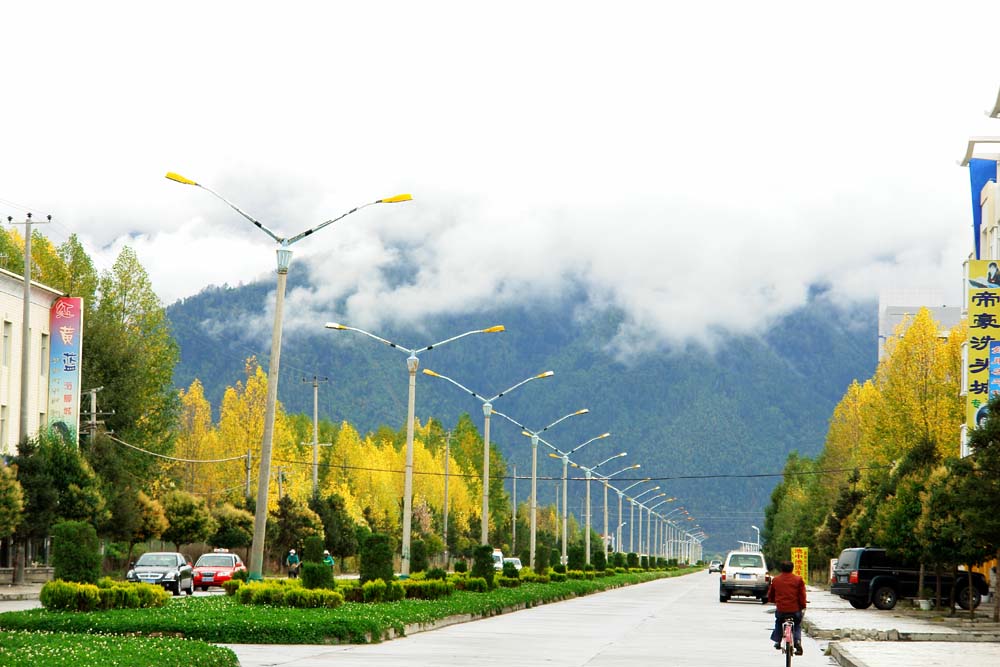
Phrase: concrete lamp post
(284,261)
(590,475)
(412,362)
(621,495)
(564,456)
(605,479)
(535,439)
(487,412)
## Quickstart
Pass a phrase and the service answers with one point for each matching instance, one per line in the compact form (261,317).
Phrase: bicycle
(788,637)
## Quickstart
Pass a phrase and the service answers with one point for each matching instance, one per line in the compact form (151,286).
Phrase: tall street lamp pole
(590,474)
(758,536)
(656,542)
(535,439)
(635,501)
(607,485)
(559,454)
(621,494)
(487,412)
(412,362)
(284,261)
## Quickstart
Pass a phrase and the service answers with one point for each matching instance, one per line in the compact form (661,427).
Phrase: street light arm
(524,429)
(302,235)
(548,444)
(581,446)
(564,418)
(610,458)
(618,472)
(344,327)
(494,329)
(428,371)
(546,374)
(177,178)
(641,481)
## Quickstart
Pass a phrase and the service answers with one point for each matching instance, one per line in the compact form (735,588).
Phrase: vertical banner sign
(983,370)
(66,331)
(800,559)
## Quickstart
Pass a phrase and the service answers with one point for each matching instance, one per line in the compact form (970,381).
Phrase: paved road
(672,622)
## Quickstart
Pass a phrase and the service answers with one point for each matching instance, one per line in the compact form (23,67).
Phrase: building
(898,305)
(12,312)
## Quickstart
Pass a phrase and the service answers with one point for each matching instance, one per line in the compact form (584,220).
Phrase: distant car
(715,566)
(165,568)
(516,562)
(745,574)
(497,559)
(216,568)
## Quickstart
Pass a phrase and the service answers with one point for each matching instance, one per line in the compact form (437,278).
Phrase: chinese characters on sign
(66,323)
(983,363)
(800,559)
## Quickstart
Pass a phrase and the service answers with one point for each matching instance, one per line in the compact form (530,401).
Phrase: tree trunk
(920,581)
(994,583)
(969,592)
(19,556)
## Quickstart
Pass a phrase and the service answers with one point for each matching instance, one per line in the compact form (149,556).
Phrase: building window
(43,364)
(7,329)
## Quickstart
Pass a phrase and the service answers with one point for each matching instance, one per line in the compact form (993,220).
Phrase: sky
(697,165)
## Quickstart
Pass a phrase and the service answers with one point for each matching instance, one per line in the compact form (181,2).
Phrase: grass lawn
(62,649)
(221,619)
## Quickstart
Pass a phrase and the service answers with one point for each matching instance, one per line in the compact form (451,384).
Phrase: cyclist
(788,593)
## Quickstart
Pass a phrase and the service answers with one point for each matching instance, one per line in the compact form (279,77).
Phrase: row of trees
(184,478)
(889,473)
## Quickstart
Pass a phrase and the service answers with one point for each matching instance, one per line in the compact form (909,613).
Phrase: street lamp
(284,261)
(412,362)
(589,472)
(635,501)
(487,411)
(656,542)
(649,521)
(621,494)
(534,435)
(758,536)
(605,479)
(559,454)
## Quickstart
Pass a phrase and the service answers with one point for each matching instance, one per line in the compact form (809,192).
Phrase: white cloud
(697,166)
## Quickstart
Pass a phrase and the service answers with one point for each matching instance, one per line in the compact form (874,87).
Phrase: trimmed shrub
(76,555)
(575,574)
(575,557)
(589,567)
(461,566)
(71,596)
(376,558)
(542,579)
(394,591)
(600,560)
(418,556)
(561,569)
(312,549)
(644,562)
(542,559)
(231,586)
(431,589)
(436,573)
(618,559)
(316,575)
(631,560)
(475,585)
(304,598)
(351,593)
(482,564)
(510,571)
(241,575)
(508,582)
(557,577)
(373,591)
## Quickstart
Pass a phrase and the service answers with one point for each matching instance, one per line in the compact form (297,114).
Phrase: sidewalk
(901,637)
(25,592)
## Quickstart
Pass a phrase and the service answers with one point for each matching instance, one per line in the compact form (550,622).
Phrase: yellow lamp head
(546,374)
(494,329)
(428,371)
(180,179)
(335,325)
(395,200)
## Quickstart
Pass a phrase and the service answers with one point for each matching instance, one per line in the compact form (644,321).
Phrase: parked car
(216,568)
(715,566)
(497,559)
(867,575)
(166,568)
(745,574)
(516,562)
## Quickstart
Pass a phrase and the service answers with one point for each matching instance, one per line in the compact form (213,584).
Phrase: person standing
(788,593)
(292,562)
(328,560)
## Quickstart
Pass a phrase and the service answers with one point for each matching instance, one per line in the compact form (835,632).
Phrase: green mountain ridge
(709,423)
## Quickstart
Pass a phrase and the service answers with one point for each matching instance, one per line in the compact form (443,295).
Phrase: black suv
(866,576)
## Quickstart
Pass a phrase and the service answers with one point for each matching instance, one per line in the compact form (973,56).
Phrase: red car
(214,568)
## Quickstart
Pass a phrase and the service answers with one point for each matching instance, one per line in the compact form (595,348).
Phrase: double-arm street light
(631,519)
(656,542)
(412,362)
(649,522)
(559,454)
(621,494)
(284,261)
(535,438)
(484,537)
(605,479)
(590,474)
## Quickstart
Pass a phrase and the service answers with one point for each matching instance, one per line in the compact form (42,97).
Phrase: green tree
(982,490)
(376,558)
(340,531)
(290,525)
(190,519)
(11,501)
(76,554)
(234,527)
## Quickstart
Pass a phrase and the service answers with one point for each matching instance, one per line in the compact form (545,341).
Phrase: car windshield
(156,560)
(848,559)
(746,560)
(215,560)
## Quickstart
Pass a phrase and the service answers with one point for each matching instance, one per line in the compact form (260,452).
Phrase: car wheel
(963,598)
(884,597)
(190,590)
(723,597)
(860,604)
(175,589)
(763,599)
(204,588)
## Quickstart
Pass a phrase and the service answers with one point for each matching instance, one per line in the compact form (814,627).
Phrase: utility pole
(447,460)
(247,491)
(281,482)
(26,325)
(315,383)
(513,517)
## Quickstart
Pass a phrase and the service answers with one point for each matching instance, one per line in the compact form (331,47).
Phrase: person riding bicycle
(788,593)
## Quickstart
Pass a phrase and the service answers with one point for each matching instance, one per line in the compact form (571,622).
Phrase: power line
(173,458)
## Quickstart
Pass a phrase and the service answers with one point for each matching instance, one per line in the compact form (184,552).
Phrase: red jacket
(787,592)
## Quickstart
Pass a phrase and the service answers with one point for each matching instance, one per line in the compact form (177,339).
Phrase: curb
(844,658)
(892,635)
(10,597)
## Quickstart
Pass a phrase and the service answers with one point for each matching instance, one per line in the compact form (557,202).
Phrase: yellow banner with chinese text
(800,561)
(982,380)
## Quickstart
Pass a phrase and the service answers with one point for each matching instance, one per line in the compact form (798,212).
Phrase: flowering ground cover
(63,649)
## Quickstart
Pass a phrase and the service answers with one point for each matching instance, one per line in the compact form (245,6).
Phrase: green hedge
(66,649)
(70,596)
(76,554)
(278,595)
(222,619)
